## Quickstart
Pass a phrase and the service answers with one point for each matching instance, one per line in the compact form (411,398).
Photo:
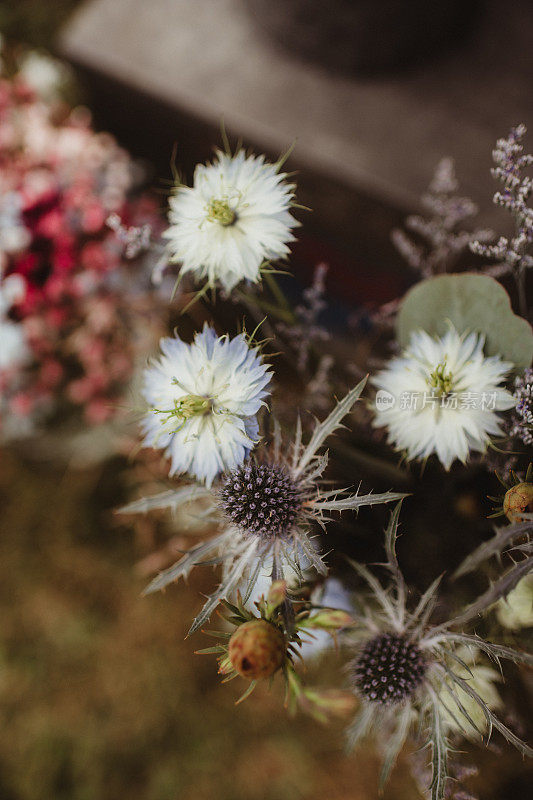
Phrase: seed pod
(517,501)
(257,649)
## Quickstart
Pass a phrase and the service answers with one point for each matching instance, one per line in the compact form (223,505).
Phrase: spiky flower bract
(444,397)
(203,399)
(412,676)
(234,218)
(284,486)
(258,647)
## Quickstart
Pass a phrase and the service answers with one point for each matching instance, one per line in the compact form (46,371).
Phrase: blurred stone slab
(383,135)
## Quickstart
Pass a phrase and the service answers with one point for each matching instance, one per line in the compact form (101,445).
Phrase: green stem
(279,296)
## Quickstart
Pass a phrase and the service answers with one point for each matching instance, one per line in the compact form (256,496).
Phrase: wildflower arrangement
(285,504)
(262,492)
(412,673)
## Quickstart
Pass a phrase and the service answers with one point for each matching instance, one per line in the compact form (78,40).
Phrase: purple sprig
(522,414)
(511,161)
(442,240)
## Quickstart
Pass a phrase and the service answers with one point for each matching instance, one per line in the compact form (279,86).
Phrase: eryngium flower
(203,399)
(261,499)
(444,397)
(232,220)
(388,669)
(285,489)
(412,676)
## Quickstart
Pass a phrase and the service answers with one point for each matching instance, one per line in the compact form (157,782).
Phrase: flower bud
(517,501)
(329,619)
(257,649)
(329,702)
(276,594)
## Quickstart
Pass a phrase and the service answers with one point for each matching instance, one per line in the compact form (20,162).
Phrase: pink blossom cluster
(59,183)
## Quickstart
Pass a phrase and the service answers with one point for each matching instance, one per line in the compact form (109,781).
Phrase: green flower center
(192,405)
(220,211)
(440,380)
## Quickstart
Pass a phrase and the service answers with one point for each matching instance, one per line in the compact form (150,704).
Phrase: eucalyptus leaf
(472,303)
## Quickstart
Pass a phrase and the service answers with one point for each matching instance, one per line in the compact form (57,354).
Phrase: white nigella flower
(232,220)
(203,399)
(413,678)
(441,396)
(264,510)
(13,348)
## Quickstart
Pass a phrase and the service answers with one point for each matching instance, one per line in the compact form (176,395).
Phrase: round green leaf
(472,303)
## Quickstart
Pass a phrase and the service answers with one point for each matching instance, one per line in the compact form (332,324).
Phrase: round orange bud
(257,649)
(517,501)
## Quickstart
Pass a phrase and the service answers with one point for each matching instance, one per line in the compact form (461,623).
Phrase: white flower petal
(227,254)
(224,371)
(423,427)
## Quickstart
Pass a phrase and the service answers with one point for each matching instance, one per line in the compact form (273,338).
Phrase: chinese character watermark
(417,401)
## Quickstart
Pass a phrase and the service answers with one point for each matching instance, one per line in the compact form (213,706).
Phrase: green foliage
(472,303)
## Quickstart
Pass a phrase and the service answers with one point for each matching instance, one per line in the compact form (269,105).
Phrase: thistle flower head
(203,399)
(413,675)
(444,397)
(261,499)
(267,512)
(389,669)
(235,217)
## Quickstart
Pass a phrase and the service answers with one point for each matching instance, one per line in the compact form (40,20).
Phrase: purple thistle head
(389,669)
(261,499)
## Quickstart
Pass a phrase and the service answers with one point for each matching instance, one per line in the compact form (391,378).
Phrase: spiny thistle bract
(260,646)
(245,551)
(412,675)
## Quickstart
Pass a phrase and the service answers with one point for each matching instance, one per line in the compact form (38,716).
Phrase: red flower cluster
(59,183)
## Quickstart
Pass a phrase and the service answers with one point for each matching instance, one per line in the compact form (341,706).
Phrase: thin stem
(279,295)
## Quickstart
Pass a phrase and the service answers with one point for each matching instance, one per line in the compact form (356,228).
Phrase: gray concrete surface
(382,135)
